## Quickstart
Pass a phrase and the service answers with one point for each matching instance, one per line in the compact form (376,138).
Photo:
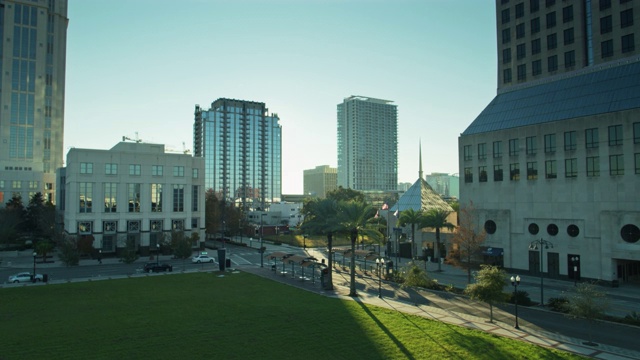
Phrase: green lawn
(238,316)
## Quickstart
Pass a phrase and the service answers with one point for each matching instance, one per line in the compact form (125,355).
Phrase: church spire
(420,171)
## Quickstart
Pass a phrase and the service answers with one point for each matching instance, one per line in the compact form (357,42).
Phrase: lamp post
(100,256)
(515,281)
(33,279)
(157,253)
(240,229)
(304,242)
(379,264)
(542,244)
(261,246)
(575,261)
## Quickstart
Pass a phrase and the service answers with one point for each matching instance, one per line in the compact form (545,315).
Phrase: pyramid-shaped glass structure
(421,196)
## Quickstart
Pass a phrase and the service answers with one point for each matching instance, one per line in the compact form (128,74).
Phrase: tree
(412,217)
(489,285)
(181,245)
(212,212)
(342,194)
(355,217)
(320,218)
(43,248)
(588,303)
(69,253)
(467,238)
(437,219)
(129,254)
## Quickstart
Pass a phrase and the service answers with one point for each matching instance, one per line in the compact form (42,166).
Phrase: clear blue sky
(140,66)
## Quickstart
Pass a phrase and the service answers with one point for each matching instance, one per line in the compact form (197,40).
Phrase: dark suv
(154,267)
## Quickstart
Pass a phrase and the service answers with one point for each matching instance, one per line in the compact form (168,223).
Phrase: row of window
(534,6)
(629,233)
(136,170)
(133,226)
(591,141)
(85,191)
(592,169)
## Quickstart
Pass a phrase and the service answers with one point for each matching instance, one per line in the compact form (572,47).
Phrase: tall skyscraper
(552,164)
(32,64)
(367,144)
(242,146)
(319,181)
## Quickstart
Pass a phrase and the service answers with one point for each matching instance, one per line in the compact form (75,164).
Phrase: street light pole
(158,254)
(34,266)
(543,244)
(380,264)
(261,246)
(515,281)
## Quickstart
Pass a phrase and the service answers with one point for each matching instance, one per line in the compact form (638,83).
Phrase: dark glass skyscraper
(242,146)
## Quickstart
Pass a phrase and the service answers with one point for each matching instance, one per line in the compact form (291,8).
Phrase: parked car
(24,277)
(155,267)
(202,258)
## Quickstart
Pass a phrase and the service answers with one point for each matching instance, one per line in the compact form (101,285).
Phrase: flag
(376,215)
(395,213)
(385,206)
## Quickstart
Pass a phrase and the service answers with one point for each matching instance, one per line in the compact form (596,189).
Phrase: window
(178,198)
(591,138)
(616,165)
(519,10)
(521,51)
(506,55)
(85,192)
(178,171)
(535,25)
(109,227)
(552,41)
(573,230)
(157,170)
(535,46)
(552,229)
(497,173)
(636,133)
(536,67)
(482,151)
(606,48)
(637,163)
(506,35)
(506,76)
(569,59)
(497,149)
(571,168)
(552,63)
(550,143)
(615,135)
(86,168)
(110,196)
(520,31)
(628,43)
(568,36)
(467,152)
(195,195)
(514,172)
(133,226)
(534,5)
(550,3)
(551,19)
(156,197)
(606,25)
(134,169)
(531,145)
(468,175)
(593,166)
(550,169)
(111,169)
(605,4)
(194,173)
(570,141)
(626,18)
(84,227)
(630,233)
(490,227)
(506,16)
(514,145)
(133,196)
(532,170)
(16,184)
(567,14)
(194,223)
(177,224)
(482,173)
(522,72)
(533,228)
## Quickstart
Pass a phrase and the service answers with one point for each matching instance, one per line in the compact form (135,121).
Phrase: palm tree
(437,219)
(413,217)
(320,218)
(355,218)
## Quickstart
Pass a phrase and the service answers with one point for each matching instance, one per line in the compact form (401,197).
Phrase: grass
(238,316)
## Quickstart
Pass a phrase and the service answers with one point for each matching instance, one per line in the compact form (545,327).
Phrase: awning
(492,251)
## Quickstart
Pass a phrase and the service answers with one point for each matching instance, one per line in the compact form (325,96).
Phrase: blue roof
(596,92)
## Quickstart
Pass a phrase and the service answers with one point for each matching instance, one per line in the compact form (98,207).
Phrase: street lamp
(261,246)
(34,266)
(158,254)
(542,244)
(380,264)
(515,281)
(304,242)
(100,256)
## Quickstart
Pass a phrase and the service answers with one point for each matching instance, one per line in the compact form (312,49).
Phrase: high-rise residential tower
(32,62)
(242,146)
(367,144)
(552,164)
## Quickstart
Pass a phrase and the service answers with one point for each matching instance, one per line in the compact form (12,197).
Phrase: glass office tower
(242,146)
(32,64)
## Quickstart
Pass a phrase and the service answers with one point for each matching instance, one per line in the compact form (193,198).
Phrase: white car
(24,277)
(202,259)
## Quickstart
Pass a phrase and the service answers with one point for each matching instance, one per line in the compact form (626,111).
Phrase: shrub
(522,296)
(632,319)
(559,304)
